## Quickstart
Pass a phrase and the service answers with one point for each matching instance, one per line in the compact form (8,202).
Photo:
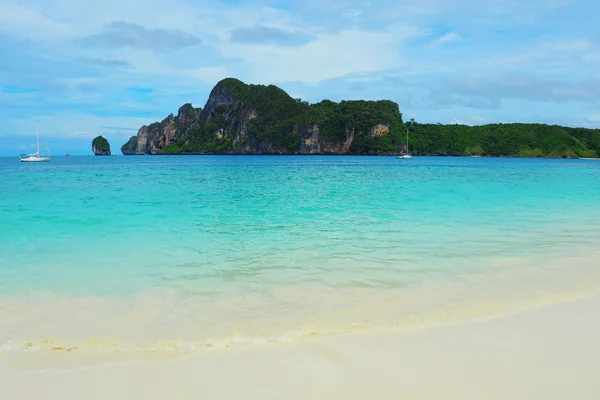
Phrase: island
(256,119)
(100,146)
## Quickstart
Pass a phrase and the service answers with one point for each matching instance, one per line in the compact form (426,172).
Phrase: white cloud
(353,14)
(120,34)
(16,19)
(266,35)
(208,75)
(470,120)
(329,55)
(595,118)
(448,37)
(351,41)
(591,57)
(73,124)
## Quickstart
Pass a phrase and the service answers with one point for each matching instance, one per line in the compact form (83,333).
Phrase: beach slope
(548,353)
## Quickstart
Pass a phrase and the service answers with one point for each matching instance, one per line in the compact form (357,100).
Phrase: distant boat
(35,157)
(406,154)
(67,155)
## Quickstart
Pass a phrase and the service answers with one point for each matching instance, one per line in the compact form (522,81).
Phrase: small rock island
(100,146)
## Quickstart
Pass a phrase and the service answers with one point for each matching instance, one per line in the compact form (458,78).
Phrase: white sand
(549,353)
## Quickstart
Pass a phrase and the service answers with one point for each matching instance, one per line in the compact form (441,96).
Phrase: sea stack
(100,146)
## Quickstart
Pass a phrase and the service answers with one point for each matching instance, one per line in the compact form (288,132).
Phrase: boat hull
(35,159)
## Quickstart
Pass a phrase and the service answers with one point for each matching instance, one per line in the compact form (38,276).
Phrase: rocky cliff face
(255,119)
(153,138)
(100,146)
(313,143)
(130,148)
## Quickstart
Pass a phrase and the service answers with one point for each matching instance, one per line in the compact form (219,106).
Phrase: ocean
(192,253)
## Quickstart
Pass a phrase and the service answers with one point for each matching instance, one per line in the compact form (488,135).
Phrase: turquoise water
(194,249)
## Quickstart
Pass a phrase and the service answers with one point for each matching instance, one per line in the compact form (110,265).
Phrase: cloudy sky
(83,68)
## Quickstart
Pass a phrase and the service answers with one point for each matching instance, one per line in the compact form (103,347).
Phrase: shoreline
(549,352)
(360,155)
(157,323)
(132,348)
(327,155)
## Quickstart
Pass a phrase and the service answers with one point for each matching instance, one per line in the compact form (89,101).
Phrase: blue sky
(88,67)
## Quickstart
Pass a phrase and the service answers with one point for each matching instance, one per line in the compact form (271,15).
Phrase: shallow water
(185,252)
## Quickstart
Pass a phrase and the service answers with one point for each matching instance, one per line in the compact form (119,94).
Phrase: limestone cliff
(257,119)
(100,146)
(130,148)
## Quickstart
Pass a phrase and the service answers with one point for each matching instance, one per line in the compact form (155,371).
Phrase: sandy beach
(548,353)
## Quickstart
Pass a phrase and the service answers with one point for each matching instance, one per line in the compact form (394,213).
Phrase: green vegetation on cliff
(337,120)
(519,140)
(277,123)
(172,148)
(257,119)
(274,118)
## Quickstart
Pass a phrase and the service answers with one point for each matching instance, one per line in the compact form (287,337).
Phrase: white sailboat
(406,154)
(35,157)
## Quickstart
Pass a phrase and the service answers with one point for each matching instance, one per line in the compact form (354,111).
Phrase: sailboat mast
(37,137)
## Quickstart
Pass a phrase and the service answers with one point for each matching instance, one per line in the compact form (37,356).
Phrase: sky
(86,68)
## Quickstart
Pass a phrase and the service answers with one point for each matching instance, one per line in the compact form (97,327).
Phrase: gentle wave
(182,321)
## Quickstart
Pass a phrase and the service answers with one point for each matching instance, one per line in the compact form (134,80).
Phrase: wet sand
(548,353)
